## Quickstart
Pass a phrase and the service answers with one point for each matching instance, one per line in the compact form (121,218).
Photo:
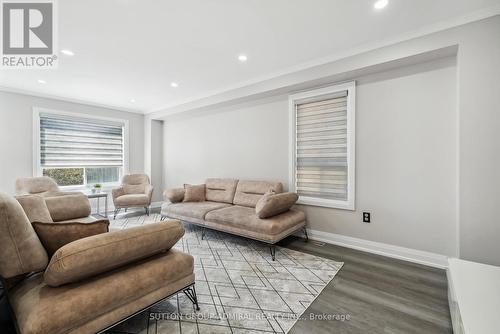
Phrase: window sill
(332,204)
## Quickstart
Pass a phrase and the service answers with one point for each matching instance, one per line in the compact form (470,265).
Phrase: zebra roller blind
(78,142)
(321,148)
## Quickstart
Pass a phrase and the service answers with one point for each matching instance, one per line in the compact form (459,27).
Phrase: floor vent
(318,243)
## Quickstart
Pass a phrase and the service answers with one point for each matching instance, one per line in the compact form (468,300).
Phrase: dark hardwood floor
(378,294)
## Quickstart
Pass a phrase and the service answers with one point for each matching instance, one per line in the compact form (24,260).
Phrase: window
(79,151)
(322,124)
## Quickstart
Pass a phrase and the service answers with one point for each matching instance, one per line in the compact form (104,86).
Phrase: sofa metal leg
(126,209)
(147,210)
(116,212)
(191,294)
(203,230)
(305,234)
(272,248)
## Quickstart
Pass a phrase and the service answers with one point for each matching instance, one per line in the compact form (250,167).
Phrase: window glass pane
(65,176)
(102,175)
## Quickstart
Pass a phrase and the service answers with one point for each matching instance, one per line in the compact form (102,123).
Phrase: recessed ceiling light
(132,100)
(40,81)
(380,4)
(242,58)
(174,84)
(67,52)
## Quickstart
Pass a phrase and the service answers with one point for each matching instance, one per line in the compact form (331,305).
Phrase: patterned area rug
(240,289)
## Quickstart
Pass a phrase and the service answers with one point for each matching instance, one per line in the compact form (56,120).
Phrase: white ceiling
(131,49)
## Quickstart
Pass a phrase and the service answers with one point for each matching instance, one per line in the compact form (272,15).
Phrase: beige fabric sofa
(230,207)
(63,206)
(135,191)
(92,283)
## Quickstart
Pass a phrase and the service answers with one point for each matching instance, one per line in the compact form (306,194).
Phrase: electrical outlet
(366,217)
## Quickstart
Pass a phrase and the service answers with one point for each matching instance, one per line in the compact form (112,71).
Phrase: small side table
(99,196)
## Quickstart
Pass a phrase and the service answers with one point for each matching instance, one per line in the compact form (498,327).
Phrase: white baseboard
(397,252)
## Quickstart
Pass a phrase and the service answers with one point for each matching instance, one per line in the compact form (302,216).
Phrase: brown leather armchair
(87,286)
(136,191)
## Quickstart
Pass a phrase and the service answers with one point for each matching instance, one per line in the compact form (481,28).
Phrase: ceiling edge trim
(67,99)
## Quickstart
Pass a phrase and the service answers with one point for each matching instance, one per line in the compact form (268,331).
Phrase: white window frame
(37,168)
(319,94)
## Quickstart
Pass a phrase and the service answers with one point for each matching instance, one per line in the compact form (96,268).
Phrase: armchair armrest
(148,190)
(117,192)
(174,195)
(100,253)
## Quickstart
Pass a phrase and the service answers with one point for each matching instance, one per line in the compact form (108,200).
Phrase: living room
(250,166)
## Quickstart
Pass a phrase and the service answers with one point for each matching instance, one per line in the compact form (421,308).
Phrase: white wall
(247,143)
(476,147)
(479,105)
(16,134)
(157,159)
(406,155)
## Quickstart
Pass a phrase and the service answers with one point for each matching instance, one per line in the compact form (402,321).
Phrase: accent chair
(43,186)
(36,194)
(136,191)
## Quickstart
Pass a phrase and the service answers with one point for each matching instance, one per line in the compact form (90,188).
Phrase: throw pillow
(68,206)
(55,235)
(194,193)
(104,252)
(273,204)
(35,208)
(174,195)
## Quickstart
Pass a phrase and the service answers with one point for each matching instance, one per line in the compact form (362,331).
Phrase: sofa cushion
(132,200)
(135,179)
(194,193)
(196,210)
(55,235)
(21,251)
(245,217)
(134,188)
(273,204)
(221,190)
(42,309)
(68,206)
(90,256)
(248,193)
(135,183)
(35,208)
